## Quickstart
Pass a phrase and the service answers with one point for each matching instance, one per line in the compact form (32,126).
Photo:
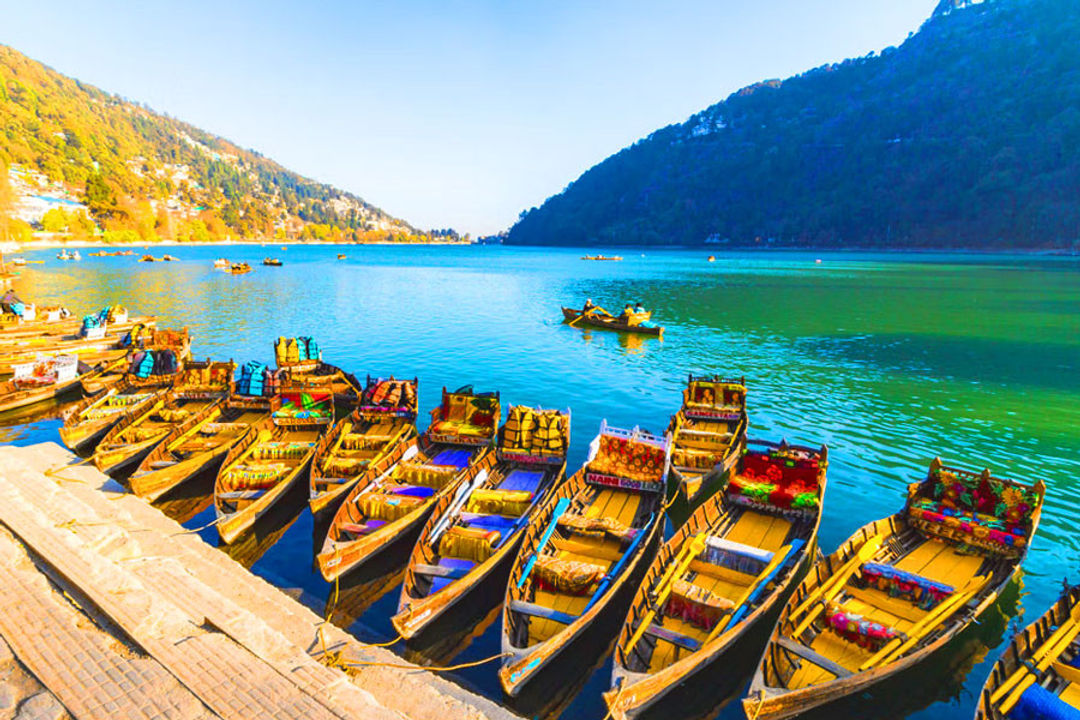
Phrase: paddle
(462,494)
(410,452)
(897,646)
(590,311)
(831,587)
(560,509)
(619,565)
(687,553)
(757,587)
(1047,653)
(103,398)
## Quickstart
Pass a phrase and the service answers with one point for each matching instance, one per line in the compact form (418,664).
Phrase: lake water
(889,360)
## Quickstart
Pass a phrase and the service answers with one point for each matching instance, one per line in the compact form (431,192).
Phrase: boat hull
(571,315)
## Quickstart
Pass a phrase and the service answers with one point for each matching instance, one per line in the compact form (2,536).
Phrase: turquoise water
(889,360)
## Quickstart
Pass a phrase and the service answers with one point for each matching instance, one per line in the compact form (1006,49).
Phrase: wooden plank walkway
(183,631)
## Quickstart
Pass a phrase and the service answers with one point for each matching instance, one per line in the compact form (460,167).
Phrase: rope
(447,668)
(212,523)
(54,472)
(615,703)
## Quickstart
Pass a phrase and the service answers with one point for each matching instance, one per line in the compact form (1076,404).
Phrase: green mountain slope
(968,135)
(141,171)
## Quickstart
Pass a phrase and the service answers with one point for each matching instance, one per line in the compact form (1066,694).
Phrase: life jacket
(144,366)
(252,379)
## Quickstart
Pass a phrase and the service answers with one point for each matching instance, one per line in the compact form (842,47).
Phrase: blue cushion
(416,491)
(522,480)
(439,583)
(452,458)
(488,522)
(1038,703)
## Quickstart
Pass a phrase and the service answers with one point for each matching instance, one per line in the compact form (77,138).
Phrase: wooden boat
(341,256)
(299,362)
(65,326)
(197,447)
(273,262)
(897,591)
(42,379)
(198,386)
(611,322)
(86,423)
(592,540)
(273,456)
(734,562)
(385,418)
(472,536)
(148,258)
(1036,676)
(222,264)
(611,258)
(712,258)
(240,268)
(394,497)
(169,258)
(111,373)
(708,435)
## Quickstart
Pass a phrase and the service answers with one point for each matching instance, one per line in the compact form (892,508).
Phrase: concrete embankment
(110,609)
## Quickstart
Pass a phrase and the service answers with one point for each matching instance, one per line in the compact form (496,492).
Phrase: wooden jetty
(112,610)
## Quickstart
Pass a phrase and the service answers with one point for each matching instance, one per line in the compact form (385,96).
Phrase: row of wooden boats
(484,503)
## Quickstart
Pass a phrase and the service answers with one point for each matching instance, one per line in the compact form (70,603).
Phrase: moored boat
(391,501)
(86,423)
(197,447)
(611,258)
(708,435)
(300,364)
(897,591)
(1037,675)
(239,268)
(45,378)
(385,417)
(471,538)
(198,385)
(222,264)
(637,323)
(272,458)
(272,262)
(734,562)
(177,342)
(584,551)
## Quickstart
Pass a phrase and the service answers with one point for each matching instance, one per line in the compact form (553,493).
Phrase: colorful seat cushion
(572,577)
(897,583)
(857,629)
(500,502)
(974,529)
(413,491)
(1038,703)
(696,605)
(596,527)
(469,543)
(502,523)
(776,480)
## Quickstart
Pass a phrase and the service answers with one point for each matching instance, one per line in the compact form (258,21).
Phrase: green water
(889,360)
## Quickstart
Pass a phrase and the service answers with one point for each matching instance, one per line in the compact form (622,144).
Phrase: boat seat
(502,523)
(760,530)
(416,491)
(556,612)
(364,528)
(1038,703)
(452,458)
(455,568)
(522,481)
(683,641)
(904,584)
(939,561)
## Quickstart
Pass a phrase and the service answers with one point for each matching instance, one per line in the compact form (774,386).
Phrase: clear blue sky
(444,113)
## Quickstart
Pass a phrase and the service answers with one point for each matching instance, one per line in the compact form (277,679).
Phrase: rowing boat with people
(1038,675)
(385,418)
(583,556)
(708,435)
(728,568)
(636,323)
(471,539)
(198,386)
(272,458)
(897,591)
(389,504)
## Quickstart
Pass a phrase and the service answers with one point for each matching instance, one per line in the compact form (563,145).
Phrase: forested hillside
(966,136)
(142,173)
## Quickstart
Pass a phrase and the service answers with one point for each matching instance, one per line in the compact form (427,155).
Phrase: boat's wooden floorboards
(239,646)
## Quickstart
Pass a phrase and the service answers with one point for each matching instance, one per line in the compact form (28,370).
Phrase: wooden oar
(1028,679)
(831,587)
(779,558)
(897,647)
(687,553)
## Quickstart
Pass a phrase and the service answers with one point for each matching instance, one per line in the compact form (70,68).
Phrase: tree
(99,197)
(54,220)
(6,201)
